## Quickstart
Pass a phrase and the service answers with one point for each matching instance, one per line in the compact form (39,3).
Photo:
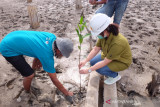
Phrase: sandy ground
(140,24)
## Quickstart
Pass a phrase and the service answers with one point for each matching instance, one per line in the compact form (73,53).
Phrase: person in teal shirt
(43,46)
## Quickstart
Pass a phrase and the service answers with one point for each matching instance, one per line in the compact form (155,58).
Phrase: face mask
(100,37)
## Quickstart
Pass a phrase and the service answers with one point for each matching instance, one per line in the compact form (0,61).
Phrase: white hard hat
(99,23)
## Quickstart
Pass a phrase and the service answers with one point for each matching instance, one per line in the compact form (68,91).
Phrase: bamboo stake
(34,22)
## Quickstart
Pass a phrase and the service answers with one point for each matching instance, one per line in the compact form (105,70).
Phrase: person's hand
(84,71)
(70,93)
(82,64)
(36,64)
(70,97)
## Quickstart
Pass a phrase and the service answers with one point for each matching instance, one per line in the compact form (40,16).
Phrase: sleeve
(98,44)
(48,64)
(115,52)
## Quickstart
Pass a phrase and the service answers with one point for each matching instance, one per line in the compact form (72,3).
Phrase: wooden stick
(34,22)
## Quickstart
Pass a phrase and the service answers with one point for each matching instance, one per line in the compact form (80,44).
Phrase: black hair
(55,45)
(112,29)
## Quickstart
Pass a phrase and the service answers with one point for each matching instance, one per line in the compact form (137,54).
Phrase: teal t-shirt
(30,43)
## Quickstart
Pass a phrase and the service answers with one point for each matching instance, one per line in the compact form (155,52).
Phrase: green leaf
(79,28)
(77,32)
(79,47)
(80,39)
(81,20)
(88,34)
(82,28)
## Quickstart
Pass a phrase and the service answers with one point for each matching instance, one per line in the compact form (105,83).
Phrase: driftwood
(154,86)
(34,22)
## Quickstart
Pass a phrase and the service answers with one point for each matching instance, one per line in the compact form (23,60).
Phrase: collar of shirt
(109,40)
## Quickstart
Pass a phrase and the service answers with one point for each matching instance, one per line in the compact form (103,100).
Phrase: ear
(58,50)
(106,33)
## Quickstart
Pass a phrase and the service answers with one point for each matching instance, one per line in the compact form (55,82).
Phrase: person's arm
(93,53)
(96,66)
(94,2)
(58,84)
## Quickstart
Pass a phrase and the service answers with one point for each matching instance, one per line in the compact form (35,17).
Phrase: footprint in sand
(137,65)
(10,83)
(154,43)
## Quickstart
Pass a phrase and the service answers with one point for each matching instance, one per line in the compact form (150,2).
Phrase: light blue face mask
(101,37)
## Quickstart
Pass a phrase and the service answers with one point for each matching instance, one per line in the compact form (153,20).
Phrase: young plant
(81,27)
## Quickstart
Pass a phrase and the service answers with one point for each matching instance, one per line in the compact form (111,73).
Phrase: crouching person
(43,46)
(115,50)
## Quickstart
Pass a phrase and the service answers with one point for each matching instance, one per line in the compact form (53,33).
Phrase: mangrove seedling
(81,26)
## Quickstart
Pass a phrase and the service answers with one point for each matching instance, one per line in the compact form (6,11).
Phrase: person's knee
(29,77)
(91,62)
(96,59)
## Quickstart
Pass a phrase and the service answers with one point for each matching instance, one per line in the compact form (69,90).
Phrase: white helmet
(99,23)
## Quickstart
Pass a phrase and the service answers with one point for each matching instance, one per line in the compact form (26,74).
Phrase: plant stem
(90,42)
(79,64)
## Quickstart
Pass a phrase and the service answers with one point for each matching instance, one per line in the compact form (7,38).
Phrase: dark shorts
(21,65)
